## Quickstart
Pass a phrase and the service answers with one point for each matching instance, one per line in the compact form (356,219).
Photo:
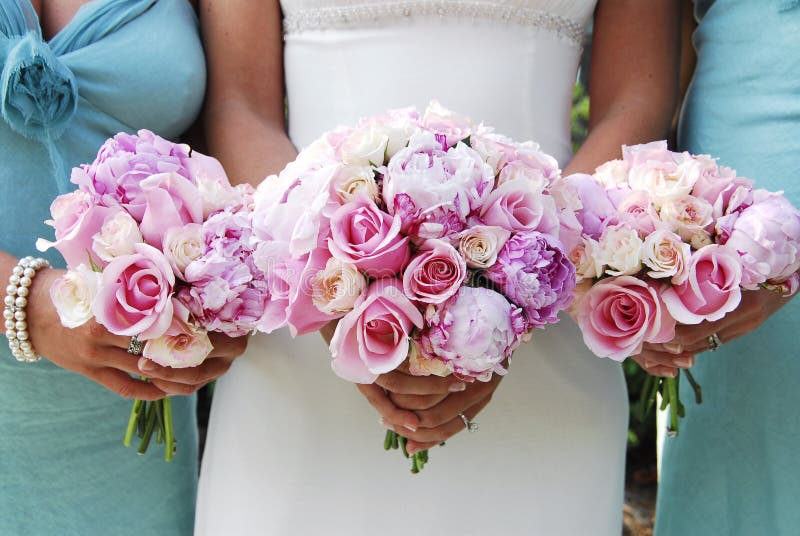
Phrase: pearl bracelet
(14,313)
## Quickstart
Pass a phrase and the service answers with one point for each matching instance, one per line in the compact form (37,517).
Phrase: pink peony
(433,188)
(123,162)
(76,219)
(533,271)
(711,289)
(454,127)
(364,235)
(619,314)
(134,297)
(170,201)
(766,235)
(373,338)
(473,333)
(435,273)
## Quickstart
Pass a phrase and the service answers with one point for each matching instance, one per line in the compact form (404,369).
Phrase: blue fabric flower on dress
(38,93)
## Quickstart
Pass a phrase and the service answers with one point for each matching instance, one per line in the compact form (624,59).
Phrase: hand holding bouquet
(432,241)
(157,245)
(662,238)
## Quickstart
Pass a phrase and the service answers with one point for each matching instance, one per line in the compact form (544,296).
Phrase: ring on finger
(135,346)
(714,342)
(471,426)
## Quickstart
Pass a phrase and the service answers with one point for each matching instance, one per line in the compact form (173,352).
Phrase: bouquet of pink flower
(660,238)
(433,242)
(158,248)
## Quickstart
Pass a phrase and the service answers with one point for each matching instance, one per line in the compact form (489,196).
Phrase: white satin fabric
(294,450)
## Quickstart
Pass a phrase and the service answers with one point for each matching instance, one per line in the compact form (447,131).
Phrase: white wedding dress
(294,450)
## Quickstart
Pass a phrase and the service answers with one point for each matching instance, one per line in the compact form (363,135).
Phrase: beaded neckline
(349,16)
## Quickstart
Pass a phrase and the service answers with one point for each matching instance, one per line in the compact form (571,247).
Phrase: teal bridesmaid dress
(735,468)
(119,65)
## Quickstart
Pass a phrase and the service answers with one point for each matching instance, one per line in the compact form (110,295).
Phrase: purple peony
(227,292)
(124,161)
(473,332)
(533,271)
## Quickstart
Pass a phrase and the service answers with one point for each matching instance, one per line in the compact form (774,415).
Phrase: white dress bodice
(510,63)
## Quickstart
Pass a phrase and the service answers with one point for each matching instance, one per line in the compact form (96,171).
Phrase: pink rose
(373,338)
(711,289)
(135,292)
(76,219)
(518,206)
(302,314)
(183,345)
(435,273)
(619,314)
(170,201)
(364,235)
(636,210)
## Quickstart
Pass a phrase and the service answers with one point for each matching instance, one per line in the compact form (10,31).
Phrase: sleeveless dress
(734,469)
(293,449)
(119,65)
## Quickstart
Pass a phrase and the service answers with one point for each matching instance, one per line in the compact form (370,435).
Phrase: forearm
(629,121)
(249,147)
(7,263)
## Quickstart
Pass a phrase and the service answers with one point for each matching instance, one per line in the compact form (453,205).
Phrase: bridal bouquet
(660,238)
(433,242)
(158,248)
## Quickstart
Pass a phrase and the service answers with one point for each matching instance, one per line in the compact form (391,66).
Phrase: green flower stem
(388,440)
(159,424)
(132,422)
(674,402)
(149,426)
(169,436)
(698,391)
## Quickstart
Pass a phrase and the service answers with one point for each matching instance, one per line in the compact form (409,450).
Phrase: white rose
(350,182)
(481,244)
(587,259)
(666,254)
(117,237)
(419,365)
(621,250)
(613,174)
(217,195)
(686,215)
(666,179)
(182,245)
(73,294)
(336,289)
(183,345)
(365,146)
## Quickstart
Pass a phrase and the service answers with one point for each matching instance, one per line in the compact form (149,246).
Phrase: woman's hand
(89,350)
(665,359)
(185,381)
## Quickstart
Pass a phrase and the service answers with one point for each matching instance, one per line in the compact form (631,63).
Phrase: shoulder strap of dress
(97,20)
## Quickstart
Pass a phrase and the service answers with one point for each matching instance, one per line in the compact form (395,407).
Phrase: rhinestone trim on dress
(359,15)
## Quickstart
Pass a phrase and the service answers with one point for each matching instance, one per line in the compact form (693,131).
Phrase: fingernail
(674,347)
(672,373)
(410,427)
(383,423)
(457,387)
(684,362)
(145,365)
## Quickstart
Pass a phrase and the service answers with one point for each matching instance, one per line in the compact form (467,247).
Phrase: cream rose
(117,237)
(613,174)
(586,258)
(666,254)
(73,294)
(336,288)
(351,181)
(419,365)
(365,146)
(621,250)
(667,178)
(480,245)
(686,215)
(182,245)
